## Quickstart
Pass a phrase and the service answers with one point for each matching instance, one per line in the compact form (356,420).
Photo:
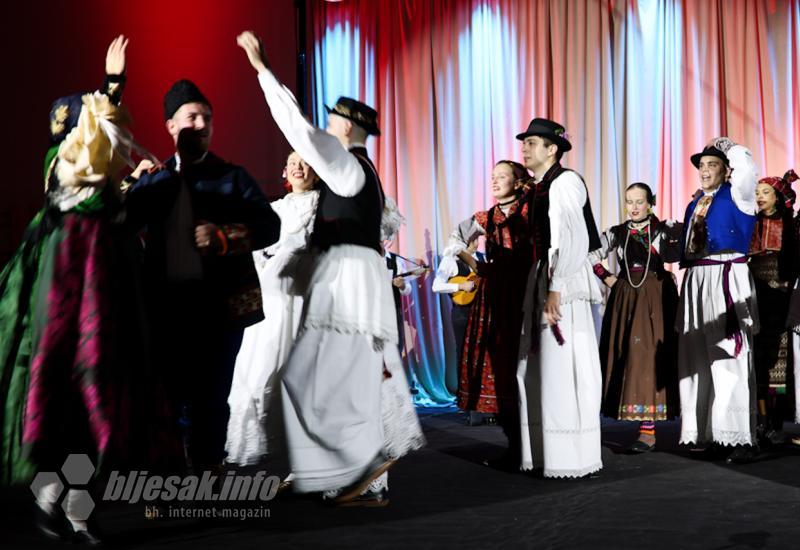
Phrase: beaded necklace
(625,252)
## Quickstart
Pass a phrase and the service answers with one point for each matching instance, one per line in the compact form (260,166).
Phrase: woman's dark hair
(651,198)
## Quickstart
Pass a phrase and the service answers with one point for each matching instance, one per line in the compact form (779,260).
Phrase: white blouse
(297,212)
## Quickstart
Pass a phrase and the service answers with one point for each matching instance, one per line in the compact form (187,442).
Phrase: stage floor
(443,497)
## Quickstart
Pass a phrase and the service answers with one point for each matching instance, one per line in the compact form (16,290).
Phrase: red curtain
(640,85)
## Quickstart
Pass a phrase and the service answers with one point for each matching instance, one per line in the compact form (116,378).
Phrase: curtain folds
(640,85)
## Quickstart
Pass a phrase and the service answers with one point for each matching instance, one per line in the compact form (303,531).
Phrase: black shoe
(743,454)
(639,447)
(53,526)
(776,437)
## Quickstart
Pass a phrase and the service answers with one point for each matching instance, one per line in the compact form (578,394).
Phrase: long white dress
(560,385)
(282,271)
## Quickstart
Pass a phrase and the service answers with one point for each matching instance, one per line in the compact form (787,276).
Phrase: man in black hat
(203,217)
(716,314)
(331,384)
(559,371)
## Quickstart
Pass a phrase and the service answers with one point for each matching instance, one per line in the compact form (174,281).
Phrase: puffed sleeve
(569,239)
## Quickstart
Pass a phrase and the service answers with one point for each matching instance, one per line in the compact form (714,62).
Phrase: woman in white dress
(283,269)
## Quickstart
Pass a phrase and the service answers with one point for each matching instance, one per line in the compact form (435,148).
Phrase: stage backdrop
(51,49)
(639,85)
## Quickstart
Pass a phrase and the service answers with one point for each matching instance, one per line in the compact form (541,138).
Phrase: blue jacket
(729,229)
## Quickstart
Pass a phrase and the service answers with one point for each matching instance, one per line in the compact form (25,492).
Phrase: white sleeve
(606,246)
(569,239)
(338,168)
(440,284)
(744,179)
(466,232)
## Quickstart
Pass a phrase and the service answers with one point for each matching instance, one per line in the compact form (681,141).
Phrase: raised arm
(99,145)
(114,81)
(339,169)
(744,174)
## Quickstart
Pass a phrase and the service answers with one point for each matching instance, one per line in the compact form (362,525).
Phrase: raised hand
(252,46)
(115,56)
(723,144)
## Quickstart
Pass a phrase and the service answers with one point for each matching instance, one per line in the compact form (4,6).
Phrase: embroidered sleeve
(113,85)
(236,239)
(596,257)
(601,272)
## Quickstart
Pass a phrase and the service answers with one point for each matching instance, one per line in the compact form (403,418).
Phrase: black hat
(182,92)
(547,129)
(709,152)
(360,113)
(64,116)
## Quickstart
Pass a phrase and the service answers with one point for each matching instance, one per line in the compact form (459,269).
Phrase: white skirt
(702,302)
(560,388)
(717,386)
(349,293)
(402,432)
(265,348)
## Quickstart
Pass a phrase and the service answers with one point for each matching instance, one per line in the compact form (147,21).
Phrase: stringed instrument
(462,297)
(416,272)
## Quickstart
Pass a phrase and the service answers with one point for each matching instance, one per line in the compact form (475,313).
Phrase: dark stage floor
(442,497)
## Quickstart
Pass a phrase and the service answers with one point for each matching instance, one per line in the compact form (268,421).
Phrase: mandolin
(462,297)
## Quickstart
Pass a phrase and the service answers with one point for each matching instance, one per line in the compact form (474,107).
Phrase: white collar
(178,160)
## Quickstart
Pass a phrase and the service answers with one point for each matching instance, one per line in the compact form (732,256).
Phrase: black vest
(538,214)
(351,220)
